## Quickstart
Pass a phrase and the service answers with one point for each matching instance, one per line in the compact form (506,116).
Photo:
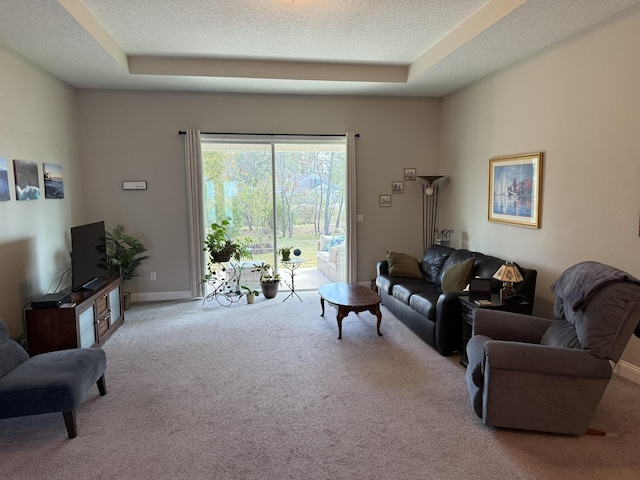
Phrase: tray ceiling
(339,47)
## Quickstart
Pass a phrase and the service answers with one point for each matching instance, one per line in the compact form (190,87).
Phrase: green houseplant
(221,248)
(269,281)
(285,252)
(251,293)
(123,256)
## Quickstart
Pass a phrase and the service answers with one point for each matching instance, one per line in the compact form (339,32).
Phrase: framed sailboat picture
(514,189)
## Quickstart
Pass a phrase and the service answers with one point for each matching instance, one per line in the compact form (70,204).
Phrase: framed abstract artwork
(26,179)
(515,189)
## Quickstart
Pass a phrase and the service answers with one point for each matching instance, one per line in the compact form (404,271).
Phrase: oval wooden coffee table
(350,297)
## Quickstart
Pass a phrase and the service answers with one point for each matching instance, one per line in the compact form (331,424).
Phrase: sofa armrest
(449,322)
(449,304)
(527,357)
(382,267)
(500,325)
(335,253)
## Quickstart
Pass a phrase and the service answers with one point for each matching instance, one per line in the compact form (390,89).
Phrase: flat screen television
(87,256)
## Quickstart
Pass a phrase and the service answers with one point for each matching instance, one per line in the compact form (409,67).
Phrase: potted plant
(221,248)
(123,256)
(285,252)
(269,281)
(251,294)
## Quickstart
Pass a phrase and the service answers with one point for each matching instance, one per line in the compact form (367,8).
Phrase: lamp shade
(508,273)
(430,178)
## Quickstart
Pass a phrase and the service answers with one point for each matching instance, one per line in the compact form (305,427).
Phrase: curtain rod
(181,132)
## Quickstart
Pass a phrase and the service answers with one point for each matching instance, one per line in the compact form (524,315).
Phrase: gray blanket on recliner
(578,283)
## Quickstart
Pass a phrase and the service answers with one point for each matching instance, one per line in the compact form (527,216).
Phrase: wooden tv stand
(89,323)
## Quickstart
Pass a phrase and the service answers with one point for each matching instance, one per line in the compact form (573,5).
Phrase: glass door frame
(273,141)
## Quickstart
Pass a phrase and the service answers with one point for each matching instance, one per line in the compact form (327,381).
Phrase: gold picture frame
(515,189)
(397,187)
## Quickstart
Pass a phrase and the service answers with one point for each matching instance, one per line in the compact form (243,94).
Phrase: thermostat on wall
(141,185)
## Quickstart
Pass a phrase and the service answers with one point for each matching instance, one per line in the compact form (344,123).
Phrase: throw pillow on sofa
(403,265)
(456,277)
(335,241)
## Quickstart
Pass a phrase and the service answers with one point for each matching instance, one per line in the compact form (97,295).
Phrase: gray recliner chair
(549,375)
(49,382)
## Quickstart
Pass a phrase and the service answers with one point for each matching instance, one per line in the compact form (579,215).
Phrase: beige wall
(134,136)
(579,103)
(37,124)
(104,137)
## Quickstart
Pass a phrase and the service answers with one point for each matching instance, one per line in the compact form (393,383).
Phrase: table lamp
(508,274)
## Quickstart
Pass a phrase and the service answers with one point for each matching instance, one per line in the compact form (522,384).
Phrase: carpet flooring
(267,391)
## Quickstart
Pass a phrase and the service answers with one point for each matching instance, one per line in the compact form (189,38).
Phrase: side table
(292,265)
(469,309)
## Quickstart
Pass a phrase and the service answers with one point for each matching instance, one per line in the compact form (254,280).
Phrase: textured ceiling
(354,47)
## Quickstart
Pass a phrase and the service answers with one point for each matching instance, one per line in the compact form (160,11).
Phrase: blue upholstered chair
(49,382)
(549,375)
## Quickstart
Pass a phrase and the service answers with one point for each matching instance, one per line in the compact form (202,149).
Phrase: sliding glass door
(282,192)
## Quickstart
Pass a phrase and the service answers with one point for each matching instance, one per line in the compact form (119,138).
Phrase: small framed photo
(53,180)
(409,174)
(515,189)
(4,180)
(397,187)
(385,201)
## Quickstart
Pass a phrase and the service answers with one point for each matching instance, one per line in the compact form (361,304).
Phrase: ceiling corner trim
(266,69)
(85,18)
(477,23)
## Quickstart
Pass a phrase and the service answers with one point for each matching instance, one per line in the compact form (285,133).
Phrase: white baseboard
(628,370)
(160,296)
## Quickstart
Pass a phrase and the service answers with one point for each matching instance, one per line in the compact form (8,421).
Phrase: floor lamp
(429,208)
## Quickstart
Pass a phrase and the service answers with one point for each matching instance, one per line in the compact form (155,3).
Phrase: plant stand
(292,266)
(224,283)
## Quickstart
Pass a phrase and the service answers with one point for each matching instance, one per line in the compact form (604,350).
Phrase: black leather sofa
(436,316)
